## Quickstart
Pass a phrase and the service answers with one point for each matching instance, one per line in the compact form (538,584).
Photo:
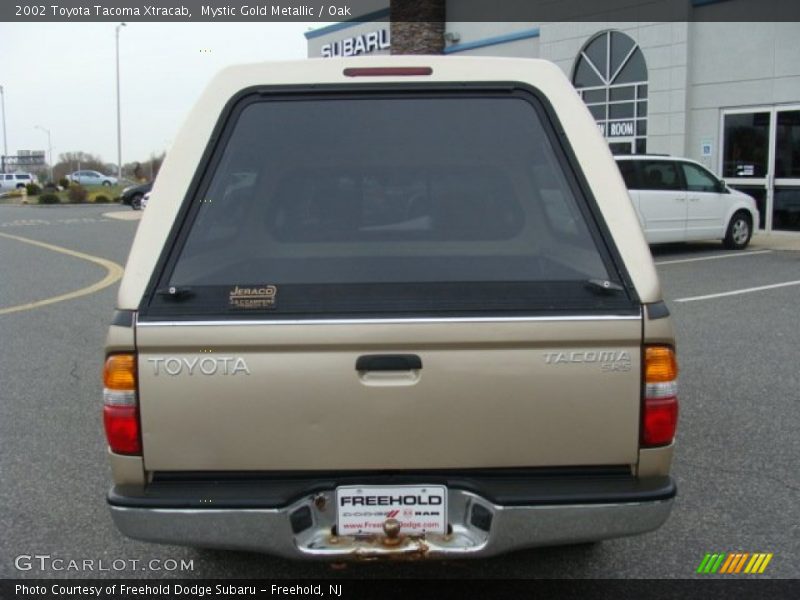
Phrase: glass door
(622,146)
(786,169)
(761,157)
(746,154)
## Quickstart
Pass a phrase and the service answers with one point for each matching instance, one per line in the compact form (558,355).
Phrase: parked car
(16,181)
(92,178)
(145,201)
(133,194)
(679,200)
(394,307)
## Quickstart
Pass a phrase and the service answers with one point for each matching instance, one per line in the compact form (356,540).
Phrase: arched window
(611,76)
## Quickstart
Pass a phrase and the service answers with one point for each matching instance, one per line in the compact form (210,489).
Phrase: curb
(124,215)
(785,241)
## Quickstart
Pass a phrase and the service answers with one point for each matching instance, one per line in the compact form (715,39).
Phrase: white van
(679,200)
(14,181)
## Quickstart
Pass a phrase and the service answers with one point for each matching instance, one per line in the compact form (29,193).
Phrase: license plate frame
(361,510)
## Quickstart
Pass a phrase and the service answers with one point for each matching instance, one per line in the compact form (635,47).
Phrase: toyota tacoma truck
(385,307)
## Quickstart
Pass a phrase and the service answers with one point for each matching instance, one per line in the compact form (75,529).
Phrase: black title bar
(733,588)
(536,11)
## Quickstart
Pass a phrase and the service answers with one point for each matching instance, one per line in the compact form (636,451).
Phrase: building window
(611,77)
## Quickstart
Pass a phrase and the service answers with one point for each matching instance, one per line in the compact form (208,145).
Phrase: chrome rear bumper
(478,528)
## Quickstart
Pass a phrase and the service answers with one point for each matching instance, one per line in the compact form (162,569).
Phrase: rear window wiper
(604,286)
(174,292)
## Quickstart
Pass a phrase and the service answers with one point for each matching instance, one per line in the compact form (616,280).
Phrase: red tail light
(659,421)
(120,404)
(660,405)
(122,429)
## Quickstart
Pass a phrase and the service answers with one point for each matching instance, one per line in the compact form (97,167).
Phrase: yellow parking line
(114,272)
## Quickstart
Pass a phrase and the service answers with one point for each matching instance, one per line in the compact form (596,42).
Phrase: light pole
(119,121)
(5,144)
(49,150)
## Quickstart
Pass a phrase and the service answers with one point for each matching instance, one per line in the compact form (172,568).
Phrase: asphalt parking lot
(735,465)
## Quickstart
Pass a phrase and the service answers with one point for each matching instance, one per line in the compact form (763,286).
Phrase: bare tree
(145,170)
(417,26)
(72,161)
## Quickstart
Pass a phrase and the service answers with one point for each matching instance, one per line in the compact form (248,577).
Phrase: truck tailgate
(489,393)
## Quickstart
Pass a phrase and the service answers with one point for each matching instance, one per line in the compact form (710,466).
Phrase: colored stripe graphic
(728,564)
(740,564)
(754,563)
(765,563)
(718,563)
(734,562)
(735,559)
(703,563)
(701,568)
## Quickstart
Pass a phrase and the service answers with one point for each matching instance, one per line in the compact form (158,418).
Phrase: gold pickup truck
(390,306)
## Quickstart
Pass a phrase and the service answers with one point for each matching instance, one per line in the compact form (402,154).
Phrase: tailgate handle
(388,362)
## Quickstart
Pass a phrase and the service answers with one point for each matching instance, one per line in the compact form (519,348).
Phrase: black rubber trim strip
(364,474)
(122,318)
(502,491)
(657,310)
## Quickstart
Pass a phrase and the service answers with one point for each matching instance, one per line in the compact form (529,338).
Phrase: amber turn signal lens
(119,372)
(660,364)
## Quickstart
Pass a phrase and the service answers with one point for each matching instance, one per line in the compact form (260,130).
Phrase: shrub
(77,194)
(33,189)
(101,199)
(63,182)
(50,187)
(49,198)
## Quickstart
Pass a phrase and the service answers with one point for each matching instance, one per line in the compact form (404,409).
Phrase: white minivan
(679,200)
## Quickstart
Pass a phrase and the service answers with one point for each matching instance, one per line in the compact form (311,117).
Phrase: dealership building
(726,94)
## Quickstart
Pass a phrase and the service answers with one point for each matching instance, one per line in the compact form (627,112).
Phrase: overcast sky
(61,76)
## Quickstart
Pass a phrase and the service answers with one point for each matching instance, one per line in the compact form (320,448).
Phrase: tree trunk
(417,26)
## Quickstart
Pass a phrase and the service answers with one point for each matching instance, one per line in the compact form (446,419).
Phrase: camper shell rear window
(386,203)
